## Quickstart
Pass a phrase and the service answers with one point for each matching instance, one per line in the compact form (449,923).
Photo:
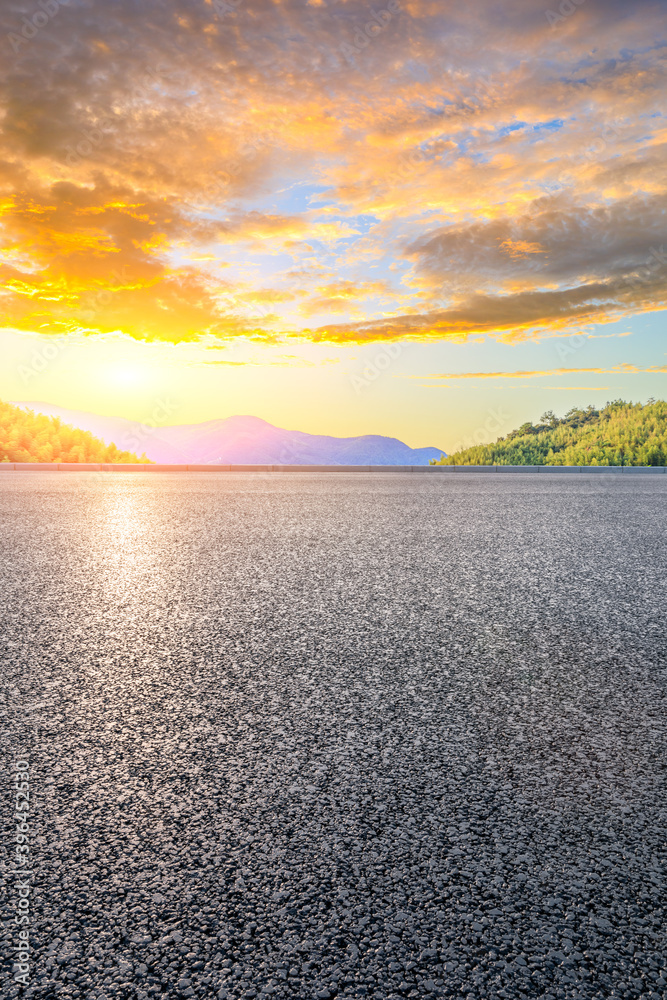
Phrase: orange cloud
(502,193)
(518,249)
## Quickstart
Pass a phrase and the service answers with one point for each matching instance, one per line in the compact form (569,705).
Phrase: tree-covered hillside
(29,437)
(619,434)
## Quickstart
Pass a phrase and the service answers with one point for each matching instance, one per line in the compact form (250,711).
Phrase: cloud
(257,227)
(513,317)
(343,296)
(565,239)
(518,249)
(622,369)
(509,175)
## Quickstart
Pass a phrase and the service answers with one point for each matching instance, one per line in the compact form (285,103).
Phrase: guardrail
(437,469)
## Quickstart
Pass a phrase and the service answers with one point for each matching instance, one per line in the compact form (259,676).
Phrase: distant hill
(29,437)
(619,434)
(241,441)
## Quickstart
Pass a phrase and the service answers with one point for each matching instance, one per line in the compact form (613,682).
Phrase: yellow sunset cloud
(415,188)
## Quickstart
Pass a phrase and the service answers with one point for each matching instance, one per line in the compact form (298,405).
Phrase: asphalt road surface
(307,736)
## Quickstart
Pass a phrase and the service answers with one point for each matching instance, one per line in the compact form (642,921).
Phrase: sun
(127,376)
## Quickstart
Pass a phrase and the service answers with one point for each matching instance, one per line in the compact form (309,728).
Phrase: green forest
(619,434)
(26,436)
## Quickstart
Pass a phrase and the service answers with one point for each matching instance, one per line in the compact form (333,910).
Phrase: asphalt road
(354,735)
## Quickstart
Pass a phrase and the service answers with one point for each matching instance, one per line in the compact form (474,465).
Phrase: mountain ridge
(239,439)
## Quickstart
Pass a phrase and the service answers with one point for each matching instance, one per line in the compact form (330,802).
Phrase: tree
(619,434)
(29,437)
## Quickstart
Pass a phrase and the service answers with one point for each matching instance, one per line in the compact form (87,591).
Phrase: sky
(420,218)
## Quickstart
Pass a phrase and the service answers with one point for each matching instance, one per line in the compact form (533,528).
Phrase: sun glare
(125,376)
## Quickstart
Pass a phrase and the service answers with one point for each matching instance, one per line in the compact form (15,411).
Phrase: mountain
(33,437)
(124,433)
(240,441)
(619,434)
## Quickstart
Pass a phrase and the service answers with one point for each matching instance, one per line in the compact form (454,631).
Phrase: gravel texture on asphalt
(308,736)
